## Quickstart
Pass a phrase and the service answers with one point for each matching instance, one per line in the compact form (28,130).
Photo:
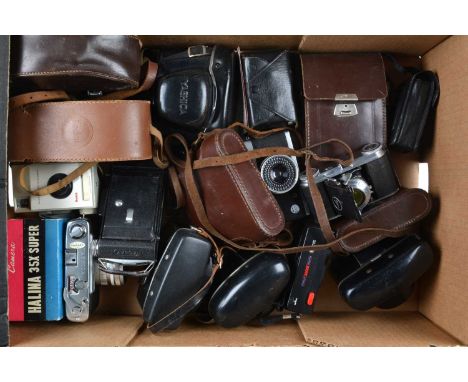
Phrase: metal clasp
(197,50)
(345,108)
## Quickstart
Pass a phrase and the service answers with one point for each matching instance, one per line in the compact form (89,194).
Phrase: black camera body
(281,174)
(131,211)
(348,190)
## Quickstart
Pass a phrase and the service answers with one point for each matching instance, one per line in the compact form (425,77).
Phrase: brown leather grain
(75,63)
(236,199)
(327,75)
(80,131)
(397,213)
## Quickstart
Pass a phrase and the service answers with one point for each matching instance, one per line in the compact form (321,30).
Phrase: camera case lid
(250,291)
(384,274)
(177,285)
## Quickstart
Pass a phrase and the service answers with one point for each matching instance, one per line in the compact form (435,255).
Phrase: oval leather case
(237,201)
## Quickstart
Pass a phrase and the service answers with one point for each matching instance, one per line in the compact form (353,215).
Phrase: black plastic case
(171,292)
(382,275)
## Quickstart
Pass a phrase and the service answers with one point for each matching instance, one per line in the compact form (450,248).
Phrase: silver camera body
(348,190)
(82,275)
(82,194)
(79,292)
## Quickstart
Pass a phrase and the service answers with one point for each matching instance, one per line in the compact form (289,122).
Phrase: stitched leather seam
(399,227)
(235,181)
(74,71)
(84,159)
(243,191)
(69,103)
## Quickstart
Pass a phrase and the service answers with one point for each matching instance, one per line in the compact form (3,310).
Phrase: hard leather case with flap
(344,97)
(238,203)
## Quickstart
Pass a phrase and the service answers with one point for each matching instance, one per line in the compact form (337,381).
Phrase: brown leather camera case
(344,97)
(237,201)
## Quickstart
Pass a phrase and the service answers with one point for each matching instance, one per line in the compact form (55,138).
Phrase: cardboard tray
(435,315)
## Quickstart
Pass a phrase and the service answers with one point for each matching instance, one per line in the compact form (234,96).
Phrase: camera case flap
(344,97)
(309,268)
(384,274)
(195,89)
(268,86)
(175,287)
(237,201)
(399,213)
(250,291)
(131,214)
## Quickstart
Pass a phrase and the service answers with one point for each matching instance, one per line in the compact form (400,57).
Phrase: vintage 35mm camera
(81,194)
(347,191)
(281,174)
(82,275)
(130,211)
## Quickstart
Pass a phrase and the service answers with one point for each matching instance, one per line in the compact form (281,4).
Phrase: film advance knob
(77,231)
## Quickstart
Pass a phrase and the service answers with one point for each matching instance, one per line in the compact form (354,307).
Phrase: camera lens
(361,191)
(64,192)
(280,173)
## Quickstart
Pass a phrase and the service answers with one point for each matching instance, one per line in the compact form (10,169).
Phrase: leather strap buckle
(197,50)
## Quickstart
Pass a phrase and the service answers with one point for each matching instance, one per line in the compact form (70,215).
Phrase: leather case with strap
(79,131)
(399,213)
(382,221)
(268,89)
(75,63)
(344,97)
(238,203)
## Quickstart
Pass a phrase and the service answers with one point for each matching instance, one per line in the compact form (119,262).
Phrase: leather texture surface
(399,212)
(80,131)
(237,201)
(75,63)
(416,103)
(268,84)
(326,78)
(195,91)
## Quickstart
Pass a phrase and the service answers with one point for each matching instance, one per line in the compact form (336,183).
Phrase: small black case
(415,105)
(382,275)
(268,84)
(251,291)
(179,282)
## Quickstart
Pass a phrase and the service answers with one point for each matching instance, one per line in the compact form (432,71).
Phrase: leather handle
(50,189)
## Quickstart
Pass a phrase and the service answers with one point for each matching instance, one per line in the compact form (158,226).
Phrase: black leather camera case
(414,109)
(195,89)
(268,85)
(171,292)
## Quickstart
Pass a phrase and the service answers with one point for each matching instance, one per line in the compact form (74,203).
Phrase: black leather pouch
(382,275)
(415,105)
(195,89)
(179,282)
(268,87)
